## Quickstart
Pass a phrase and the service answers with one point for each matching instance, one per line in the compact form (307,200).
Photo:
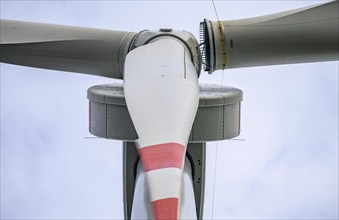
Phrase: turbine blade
(162,95)
(298,36)
(65,48)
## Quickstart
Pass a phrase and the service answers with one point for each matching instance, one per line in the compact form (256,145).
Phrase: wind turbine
(174,47)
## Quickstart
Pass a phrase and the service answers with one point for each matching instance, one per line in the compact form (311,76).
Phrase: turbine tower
(160,112)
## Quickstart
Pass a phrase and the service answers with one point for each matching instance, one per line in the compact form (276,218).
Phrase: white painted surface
(141,208)
(141,205)
(161,101)
(162,95)
(159,179)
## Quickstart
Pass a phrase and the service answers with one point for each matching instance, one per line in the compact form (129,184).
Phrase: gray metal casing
(217,118)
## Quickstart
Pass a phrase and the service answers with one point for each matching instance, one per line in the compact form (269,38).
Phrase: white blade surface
(141,208)
(162,95)
(58,47)
(299,36)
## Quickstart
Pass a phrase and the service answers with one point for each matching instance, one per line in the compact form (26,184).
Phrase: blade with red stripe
(162,95)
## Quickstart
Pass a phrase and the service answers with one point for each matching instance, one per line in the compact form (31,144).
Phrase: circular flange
(217,118)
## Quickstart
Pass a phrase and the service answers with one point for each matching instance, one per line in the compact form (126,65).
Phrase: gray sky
(287,167)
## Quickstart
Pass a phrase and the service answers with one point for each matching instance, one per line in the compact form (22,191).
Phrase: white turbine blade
(66,48)
(298,36)
(162,95)
(141,208)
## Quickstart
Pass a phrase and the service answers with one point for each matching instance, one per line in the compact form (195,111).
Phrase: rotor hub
(185,37)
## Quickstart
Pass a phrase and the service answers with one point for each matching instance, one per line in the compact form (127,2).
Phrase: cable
(222,38)
(217,148)
(216,154)
(215,10)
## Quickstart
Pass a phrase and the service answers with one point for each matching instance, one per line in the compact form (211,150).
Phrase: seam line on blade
(222,39)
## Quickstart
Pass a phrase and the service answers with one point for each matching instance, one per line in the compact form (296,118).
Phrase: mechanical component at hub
(185,37)
(297,36)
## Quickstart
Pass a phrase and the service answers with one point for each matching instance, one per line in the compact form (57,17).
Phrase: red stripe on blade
(162,156)
(165,209)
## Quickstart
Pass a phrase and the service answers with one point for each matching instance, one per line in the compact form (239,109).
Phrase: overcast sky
(287,167)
